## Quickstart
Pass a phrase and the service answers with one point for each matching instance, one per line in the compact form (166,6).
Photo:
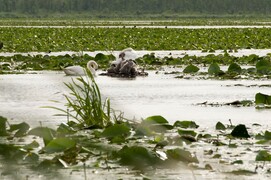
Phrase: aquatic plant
(86,106)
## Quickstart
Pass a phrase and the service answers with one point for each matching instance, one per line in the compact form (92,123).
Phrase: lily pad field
(201,112)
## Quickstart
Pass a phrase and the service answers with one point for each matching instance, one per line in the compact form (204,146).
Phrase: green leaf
(137,156)
(155,123)
(214,69)
(262,99)
(155,120)
(191,69)
(21,128)
(187,132)
(31,146)
(116,130)
(234,68)
(263,156)
(100,57)
(59,145)
(44,132)
(240,131)
(185,124)
(267,135)
(181,155)
(220,126)
(3,126)
(263,66)
(65,129)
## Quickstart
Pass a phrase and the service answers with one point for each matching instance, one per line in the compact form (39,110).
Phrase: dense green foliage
(91,39)
(132,8)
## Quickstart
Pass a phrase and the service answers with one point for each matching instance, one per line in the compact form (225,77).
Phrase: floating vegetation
(152,144)
(21,39)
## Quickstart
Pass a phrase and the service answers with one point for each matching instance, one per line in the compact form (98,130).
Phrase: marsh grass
(86,106)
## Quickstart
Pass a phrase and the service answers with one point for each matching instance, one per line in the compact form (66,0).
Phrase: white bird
(124,55)
(127,54)
(80,71)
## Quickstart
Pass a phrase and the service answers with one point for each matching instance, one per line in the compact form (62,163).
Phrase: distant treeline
(136,8)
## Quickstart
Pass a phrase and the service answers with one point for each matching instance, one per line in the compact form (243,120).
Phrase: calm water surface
(22,96)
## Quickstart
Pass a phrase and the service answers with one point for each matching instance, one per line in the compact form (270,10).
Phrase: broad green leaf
(155,120)
(100,57)
(185,124)
(31,146)
(116,130)
(137,156)
(65,129)
(181,155)
(263,156)
(240,131)
(262,99)
(234,68)
(263,66)
(187,132)
(59,145)
(191,69)
(220,126)
(155,123)
(267,135)
(21,128)
(214,69)
(44,132)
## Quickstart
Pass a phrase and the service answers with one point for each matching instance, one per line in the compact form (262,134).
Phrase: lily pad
(21,128)
(191,69)
(116,130)
(214,69)
(137,156)
(263,156)
(262,99)
(234,68)
(220,126)
(59,145)
(185,124)
(181,155)
(44,132)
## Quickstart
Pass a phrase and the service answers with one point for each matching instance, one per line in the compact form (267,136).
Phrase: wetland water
(160,54)
(23,95)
